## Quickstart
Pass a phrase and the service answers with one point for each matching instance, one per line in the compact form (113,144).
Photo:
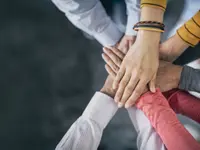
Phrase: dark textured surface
(49,72)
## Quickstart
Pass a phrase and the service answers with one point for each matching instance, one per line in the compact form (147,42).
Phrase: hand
(107,88)
(168,75)
(126,43)
(172,48)
(138,69)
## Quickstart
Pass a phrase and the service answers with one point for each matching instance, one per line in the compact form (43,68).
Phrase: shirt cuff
(110,36)
(131,21)
(101,109)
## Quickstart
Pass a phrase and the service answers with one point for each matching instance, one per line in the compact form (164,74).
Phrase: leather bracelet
(150,22)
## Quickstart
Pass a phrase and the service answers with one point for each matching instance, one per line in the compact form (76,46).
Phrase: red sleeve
(164,120)
(184,103)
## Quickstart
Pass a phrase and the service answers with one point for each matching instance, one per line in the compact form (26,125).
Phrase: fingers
(119,76)
(117,52)
(139,90)
(124,46)
(112,65)
(110,71)
(113,57)
(152,84)
(122,86)
(129,88)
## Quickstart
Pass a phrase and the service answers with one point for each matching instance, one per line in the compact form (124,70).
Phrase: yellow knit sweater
(190,31)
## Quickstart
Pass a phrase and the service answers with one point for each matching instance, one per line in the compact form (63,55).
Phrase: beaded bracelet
(149,25)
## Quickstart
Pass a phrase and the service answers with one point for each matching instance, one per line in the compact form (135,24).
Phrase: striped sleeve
(190,31)
(162,4)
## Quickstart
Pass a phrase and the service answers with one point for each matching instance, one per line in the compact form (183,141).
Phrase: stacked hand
(167,78)
(138,68)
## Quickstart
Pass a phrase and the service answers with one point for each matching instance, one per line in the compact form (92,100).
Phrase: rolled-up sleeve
(91,17)
(133,15)
(86,132)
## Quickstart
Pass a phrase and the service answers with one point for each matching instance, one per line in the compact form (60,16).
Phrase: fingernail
(120,105)
(104,49)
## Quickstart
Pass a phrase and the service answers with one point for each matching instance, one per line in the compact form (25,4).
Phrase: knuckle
(120,74)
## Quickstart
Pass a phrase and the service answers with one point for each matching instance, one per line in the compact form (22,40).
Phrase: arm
(165,122)
(187,35)
(147,138)
(184,103)
(91,17)
(140,65)
(86,132)
(190,31)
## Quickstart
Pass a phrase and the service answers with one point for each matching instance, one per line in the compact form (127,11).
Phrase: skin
(168,76)
(172,48)
(126,42)
(140,65)
(107,87)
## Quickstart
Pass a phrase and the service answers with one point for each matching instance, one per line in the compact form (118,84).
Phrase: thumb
(152,84)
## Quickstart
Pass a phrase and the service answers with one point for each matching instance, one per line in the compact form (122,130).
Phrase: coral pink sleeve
(185,104)
(164,120)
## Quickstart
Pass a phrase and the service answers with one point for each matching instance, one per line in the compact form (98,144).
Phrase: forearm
(151,14)
(92,18)
(190,79)
(147,138)
(165,122)
(86,132)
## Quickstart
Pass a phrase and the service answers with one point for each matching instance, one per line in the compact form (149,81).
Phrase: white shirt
(86,131)
(91,17)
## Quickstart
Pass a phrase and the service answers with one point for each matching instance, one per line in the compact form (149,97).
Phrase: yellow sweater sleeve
(162,4)
(190,31)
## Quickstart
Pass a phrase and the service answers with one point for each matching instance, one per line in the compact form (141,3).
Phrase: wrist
(151,14)
(108,91)
(146,36)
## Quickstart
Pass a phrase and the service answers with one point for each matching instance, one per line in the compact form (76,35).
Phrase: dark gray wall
(49,72)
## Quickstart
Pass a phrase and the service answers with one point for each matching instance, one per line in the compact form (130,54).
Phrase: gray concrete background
(49,72)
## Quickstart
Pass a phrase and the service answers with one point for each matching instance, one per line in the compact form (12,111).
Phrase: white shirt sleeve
(91,17)
(86,132)
(133,15)
(147,138)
